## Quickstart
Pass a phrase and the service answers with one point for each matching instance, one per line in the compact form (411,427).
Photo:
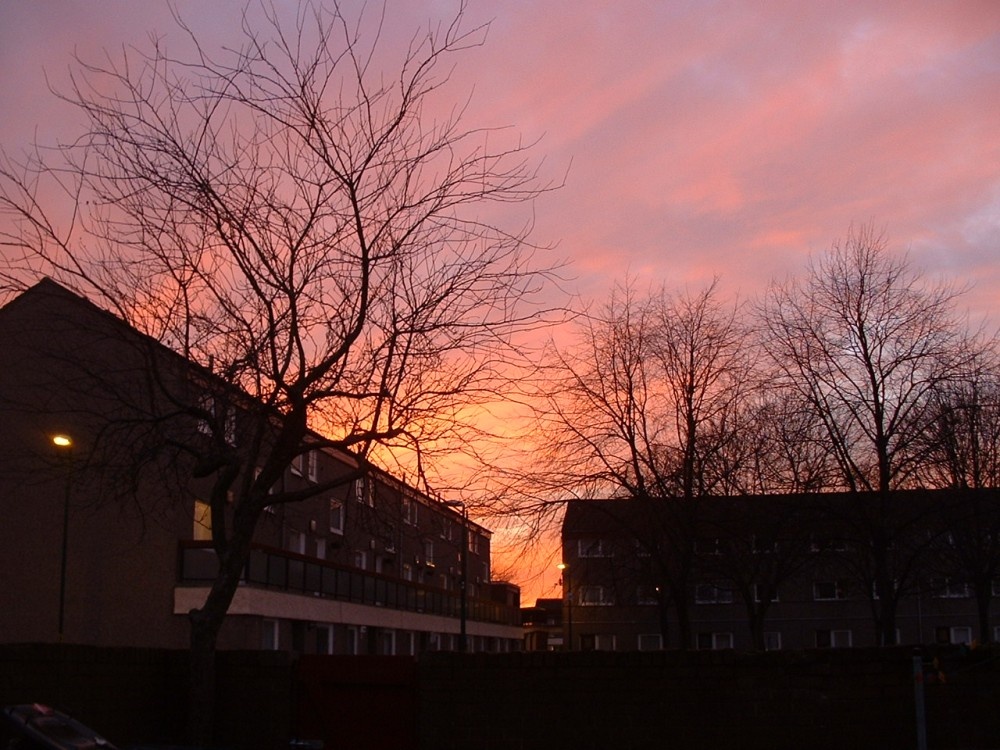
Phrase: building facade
(368,566)
(781,572)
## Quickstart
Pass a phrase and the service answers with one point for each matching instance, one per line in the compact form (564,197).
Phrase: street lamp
(463,585)
(64,444)
(568,590)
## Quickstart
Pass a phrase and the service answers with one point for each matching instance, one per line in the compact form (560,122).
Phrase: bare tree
(864,342)
(303,228)
(644,404)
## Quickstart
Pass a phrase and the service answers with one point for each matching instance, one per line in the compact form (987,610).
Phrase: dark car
(33,726)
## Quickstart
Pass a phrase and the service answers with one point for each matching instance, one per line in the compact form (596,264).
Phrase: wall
(694,700)
(139,695)
(446,701)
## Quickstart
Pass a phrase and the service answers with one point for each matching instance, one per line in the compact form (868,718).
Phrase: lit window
(202,531)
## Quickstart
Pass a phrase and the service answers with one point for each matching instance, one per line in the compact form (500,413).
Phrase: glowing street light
(64,444)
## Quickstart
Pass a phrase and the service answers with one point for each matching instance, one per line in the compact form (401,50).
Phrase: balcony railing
(273,568)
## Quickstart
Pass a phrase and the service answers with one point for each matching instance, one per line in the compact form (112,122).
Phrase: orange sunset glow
(691,140)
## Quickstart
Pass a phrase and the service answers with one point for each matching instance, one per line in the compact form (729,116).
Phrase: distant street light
(64,444)
(464,598)
(568,590)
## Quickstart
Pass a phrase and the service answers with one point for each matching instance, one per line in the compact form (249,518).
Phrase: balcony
(281,570)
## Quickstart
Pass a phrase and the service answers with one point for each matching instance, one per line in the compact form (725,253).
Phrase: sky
(694,139)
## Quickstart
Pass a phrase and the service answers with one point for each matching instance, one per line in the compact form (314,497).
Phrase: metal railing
(273,568)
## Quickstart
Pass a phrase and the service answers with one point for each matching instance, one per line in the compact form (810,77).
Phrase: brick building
(780,571)
(370,566)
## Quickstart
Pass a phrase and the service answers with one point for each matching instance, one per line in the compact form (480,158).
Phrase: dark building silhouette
(543,625)
(780,571)
(95,552)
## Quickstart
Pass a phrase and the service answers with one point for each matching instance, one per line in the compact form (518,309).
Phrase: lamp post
(463,581)
(568,590)
(64,444)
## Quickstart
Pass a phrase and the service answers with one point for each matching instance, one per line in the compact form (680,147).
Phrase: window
(407,572)
(829,591)
(410,511)
(595,596)
(428,553)
(446,529)
(960,635)
(710,593)
(758,590)
(364,491)
(304,464)
(833,639)
(336,516)
(206,404)
(297,542)
(360,559)
(650,642)
(353,641)
(202,531)
(876,591)
(647,595)
(312,465)
(827,544)
(948,588)
(597,642)
(772,641)
(474,543)
(324,639)
(387,642)
(591,548)
(714,641)
(763,546)
(269,635)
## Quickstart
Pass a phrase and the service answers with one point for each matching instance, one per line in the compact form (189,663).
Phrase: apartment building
(368,566)
(780,571)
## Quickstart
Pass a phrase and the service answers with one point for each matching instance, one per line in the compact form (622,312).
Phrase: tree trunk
(201,687)
(206,623)
(984,595)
